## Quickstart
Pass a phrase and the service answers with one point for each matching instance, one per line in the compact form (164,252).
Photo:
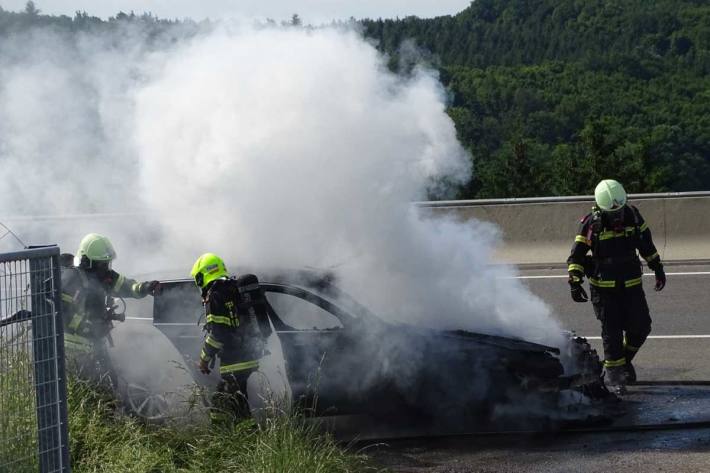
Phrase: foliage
(154,30)
(104,440)
(18,420)
(558,128)
(550,96)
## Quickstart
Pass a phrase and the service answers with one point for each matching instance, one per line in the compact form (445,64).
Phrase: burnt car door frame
(323,366)
(316,360)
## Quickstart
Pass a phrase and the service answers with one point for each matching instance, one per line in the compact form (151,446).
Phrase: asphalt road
(679,345)
(678,349)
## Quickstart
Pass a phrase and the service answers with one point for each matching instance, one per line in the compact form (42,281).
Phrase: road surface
(679,345)
(678,349)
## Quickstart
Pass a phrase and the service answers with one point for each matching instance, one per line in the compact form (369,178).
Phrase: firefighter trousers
(625,319)
(89,361)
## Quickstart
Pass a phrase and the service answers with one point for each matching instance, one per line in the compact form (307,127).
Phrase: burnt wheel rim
(145,403)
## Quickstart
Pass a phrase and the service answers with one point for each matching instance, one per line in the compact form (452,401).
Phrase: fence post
(33,307)
(45,287)
(61,366)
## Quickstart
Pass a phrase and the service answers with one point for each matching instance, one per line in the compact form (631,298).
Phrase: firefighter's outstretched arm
(126,287)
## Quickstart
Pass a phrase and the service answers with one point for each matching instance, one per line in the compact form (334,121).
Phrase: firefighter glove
(660,278)
(204,367)
(578,292)
(149,287)
(112,315)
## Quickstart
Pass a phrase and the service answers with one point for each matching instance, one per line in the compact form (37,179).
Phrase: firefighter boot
(615,379)
(629,368)
(630,373)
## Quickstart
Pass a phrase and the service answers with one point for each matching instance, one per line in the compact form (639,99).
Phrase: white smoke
(285,147)
(278,147)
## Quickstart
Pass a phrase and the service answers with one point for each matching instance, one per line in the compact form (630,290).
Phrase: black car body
(341,359)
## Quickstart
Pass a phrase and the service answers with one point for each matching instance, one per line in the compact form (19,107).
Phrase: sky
(312,11)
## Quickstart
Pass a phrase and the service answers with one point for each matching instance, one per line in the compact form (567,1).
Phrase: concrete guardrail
(541,230)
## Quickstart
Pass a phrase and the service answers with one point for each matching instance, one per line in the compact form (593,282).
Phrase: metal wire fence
(33,415)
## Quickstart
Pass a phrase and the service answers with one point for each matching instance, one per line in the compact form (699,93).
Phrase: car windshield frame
(307,295)
(323,295)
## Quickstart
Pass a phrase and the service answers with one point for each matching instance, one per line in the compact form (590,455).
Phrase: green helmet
(207,268)
(96,248)
(610,195)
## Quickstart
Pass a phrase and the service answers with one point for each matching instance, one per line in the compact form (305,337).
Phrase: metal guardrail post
(48,363)
(61,368)
(33,410)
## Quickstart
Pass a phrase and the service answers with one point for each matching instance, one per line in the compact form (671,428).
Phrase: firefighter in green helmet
(614,232)
(89,285)
(237,327)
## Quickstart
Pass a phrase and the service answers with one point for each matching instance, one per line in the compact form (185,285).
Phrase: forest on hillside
(549,96)
(552,95)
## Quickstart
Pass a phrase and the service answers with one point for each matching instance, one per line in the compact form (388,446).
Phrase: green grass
(104,440)
(18,419)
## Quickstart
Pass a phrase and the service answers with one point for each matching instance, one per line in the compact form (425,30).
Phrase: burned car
(340,359)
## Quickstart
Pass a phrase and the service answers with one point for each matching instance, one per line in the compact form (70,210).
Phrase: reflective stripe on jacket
(84,299)
(77,343)
(613,240)
(229,333)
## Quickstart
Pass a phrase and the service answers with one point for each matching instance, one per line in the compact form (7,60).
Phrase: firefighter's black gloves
(204,367)
(660,279)
(149,287)
(578,292)
(155,288)
(112,315)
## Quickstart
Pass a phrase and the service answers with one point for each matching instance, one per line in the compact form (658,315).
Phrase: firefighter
(613,232)
(88,287)
(237,327)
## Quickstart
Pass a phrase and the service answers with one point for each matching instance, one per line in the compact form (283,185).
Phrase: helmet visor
(101,266)
(618,202)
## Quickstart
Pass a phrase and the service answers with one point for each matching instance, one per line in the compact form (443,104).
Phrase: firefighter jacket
(613,239)
(237,324)
(85,304)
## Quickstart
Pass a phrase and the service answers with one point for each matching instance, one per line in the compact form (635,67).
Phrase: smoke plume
(273,147)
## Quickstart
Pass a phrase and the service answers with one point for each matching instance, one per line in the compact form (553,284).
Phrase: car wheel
(141,401)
